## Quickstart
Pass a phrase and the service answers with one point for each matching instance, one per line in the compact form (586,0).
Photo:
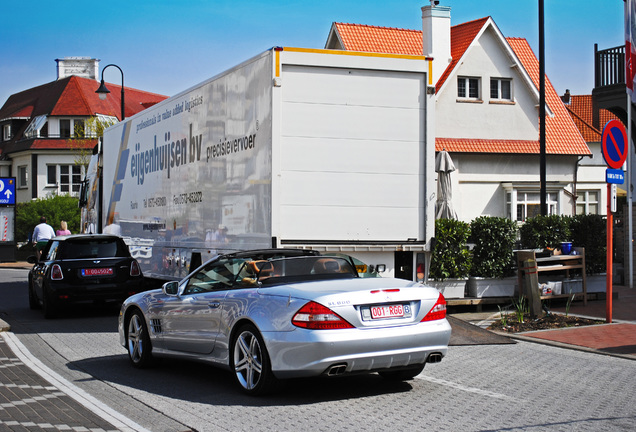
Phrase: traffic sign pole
(610,260)
(615,147)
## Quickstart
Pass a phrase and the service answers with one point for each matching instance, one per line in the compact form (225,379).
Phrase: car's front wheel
(250,362)
(138,340)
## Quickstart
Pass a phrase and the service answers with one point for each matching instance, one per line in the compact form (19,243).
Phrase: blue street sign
(7,190)
(614,176)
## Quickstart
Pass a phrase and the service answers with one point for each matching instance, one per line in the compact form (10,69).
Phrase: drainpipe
(575,196)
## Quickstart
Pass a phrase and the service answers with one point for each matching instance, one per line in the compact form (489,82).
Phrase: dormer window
(468,88)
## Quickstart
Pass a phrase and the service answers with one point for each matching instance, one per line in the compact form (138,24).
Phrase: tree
(84,137)
(56,208)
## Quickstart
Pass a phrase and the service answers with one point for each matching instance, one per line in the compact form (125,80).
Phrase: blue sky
(166,46)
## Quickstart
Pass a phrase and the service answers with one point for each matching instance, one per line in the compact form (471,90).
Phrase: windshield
(302,269)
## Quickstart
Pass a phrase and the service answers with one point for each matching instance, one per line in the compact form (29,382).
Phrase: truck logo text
(164,157)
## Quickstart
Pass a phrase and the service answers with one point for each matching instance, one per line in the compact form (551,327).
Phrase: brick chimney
(436,36)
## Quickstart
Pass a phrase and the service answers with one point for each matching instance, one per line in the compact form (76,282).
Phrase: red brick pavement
(619,337)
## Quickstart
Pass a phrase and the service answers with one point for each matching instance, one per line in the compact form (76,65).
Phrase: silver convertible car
(274,314)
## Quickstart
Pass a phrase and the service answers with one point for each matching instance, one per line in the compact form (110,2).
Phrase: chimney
(436,36)
(84,67)
(566,97)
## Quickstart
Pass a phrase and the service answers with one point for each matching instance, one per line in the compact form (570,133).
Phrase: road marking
(108,414)
(467,389)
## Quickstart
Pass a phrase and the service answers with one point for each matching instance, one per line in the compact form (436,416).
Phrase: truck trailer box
(302,148)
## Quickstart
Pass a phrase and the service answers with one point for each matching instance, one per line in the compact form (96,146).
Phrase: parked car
(273,314)
(82,268)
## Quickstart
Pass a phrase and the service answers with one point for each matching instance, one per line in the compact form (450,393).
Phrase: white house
(487,89)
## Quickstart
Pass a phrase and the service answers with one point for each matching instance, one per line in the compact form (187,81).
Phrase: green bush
(541,232)
(494,239)
(56,208)
(451,258)
(589,231)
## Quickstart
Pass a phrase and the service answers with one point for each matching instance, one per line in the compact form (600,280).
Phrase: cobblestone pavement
(30,402)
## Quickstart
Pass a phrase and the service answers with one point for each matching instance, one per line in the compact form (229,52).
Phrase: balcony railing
(609,66)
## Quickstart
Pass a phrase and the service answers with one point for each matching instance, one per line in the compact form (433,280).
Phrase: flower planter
(451,288)
(484,287)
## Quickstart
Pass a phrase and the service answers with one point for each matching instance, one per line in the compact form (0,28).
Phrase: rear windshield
(93,248)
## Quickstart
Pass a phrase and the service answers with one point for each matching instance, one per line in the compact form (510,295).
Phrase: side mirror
(32,259)
(171,288)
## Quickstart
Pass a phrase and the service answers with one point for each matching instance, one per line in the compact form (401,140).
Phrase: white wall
(486,120)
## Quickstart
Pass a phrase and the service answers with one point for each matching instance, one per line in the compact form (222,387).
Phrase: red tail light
(56,272)
(438,311)
(318,317)
(134,269)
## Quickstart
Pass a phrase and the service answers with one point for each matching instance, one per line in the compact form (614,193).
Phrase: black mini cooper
(82,268)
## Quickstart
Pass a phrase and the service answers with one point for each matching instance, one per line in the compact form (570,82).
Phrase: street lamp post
(103,90)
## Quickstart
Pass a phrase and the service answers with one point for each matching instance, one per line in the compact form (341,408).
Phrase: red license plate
(106,271)
(393,311)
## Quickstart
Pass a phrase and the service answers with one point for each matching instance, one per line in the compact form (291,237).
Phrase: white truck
(295,148)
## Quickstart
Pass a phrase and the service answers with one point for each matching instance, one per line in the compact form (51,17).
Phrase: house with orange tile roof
(39,124)
(486,115)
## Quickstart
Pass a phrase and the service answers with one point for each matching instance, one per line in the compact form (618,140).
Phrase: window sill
(477,101)
(501,102)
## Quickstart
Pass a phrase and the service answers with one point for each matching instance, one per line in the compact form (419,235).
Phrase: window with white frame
(6,132)
(501,88)
(587,202)
(67,178)
(22,176)
(70,179)
(524,204)
(72,128)
(468,88)
(51,175)
(65,128)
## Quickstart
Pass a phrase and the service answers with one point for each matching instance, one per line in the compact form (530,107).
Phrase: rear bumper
(61,293)
(313,352)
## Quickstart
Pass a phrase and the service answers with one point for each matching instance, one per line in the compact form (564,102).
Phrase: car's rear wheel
(402,374)
(138,340)
(250,362)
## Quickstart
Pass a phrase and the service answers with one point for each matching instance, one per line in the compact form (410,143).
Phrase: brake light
(318,317)
(438,311)
(56,272)
(134,269)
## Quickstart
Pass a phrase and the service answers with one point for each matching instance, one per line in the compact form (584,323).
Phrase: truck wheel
(250,362)
(402,374)
(138,341)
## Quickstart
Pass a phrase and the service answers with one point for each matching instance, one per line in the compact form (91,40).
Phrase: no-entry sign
(614,144)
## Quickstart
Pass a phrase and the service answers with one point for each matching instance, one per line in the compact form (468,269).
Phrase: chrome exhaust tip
(337,369)
(434,358)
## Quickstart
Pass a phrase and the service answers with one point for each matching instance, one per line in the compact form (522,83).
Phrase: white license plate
(106,271)
(392,311)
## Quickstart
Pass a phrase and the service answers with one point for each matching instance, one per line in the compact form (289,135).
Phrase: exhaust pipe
(434,358)
(337,369)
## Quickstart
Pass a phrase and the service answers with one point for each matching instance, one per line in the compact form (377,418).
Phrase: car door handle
(214,304)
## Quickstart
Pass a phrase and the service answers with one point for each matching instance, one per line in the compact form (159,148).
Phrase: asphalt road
(511,387)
